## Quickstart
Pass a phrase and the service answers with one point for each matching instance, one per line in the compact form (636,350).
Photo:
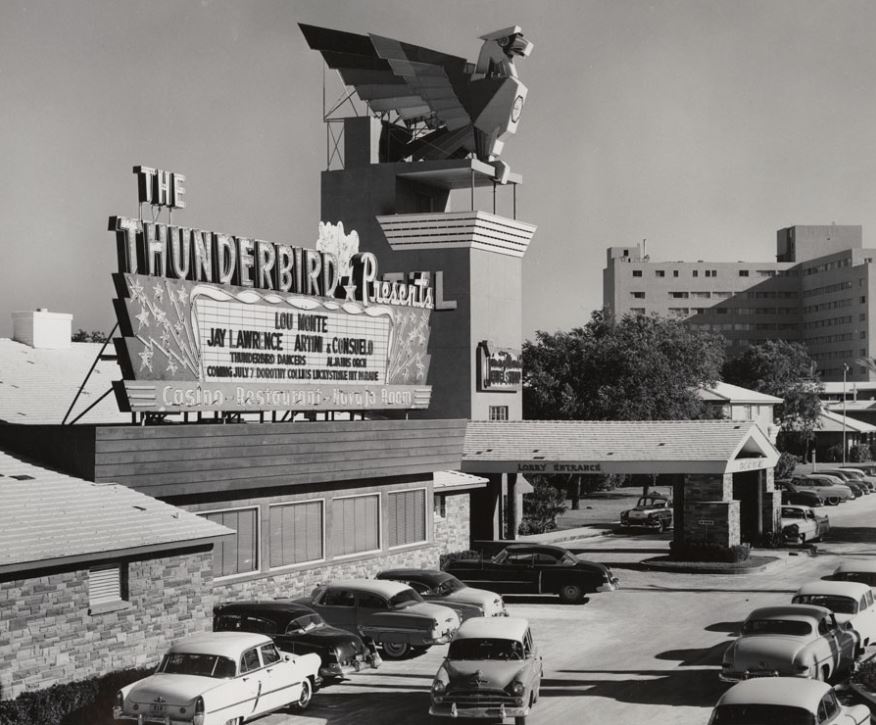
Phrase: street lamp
(845,371)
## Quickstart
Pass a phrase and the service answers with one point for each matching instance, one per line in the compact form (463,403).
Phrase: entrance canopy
(596,446)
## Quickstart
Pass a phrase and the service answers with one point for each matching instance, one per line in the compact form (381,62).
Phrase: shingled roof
(37,386)
(664,446)
(48,519)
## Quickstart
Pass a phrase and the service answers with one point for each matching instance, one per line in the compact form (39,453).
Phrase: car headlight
(439,687)
(516,688)
(198,718)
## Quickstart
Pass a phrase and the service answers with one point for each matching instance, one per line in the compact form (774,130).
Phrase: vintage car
(793,640)
(443,588)
(851,602)
(390,613)
(492,670)
(828,488)
(296,628)
(217,678)
(535,569)
(799,495)
(801,524)
(860,475)
(856,570)
(849,477)
(653,511)
(785,701)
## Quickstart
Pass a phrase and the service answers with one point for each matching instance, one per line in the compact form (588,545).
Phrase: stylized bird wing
(420,84)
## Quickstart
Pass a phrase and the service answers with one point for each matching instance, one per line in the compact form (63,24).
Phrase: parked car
(868,467)
(859,488)
(390,613)
(799,495)
(801,524)
(832,492)
(785,701)
(217,678)
(653,511)
(492,670)
(443,588)
(296,628)
(793,640)
(851,602)
(856,570)
(535,569)
(861,476)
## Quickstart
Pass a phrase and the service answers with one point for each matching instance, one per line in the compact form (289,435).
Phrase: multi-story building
(809,296)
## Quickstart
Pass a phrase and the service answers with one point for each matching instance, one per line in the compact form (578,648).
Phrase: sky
(702,126)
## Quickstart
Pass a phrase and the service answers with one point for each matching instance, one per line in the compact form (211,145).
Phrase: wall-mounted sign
(217,322)
(551,467)
(499,369)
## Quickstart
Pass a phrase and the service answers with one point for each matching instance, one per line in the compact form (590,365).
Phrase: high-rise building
(818,292)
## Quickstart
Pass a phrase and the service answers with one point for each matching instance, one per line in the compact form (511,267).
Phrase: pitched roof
(448,481)
(832,422)
(47,518)
(725,392)
(599,446)
(38,385)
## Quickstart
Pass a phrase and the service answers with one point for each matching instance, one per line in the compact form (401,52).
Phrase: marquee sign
(215,322)
(499,370)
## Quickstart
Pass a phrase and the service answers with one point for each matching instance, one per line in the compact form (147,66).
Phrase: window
(236,554)
(711,273)
(339,598)
(296,532)
(863,299)
(439,505)
(371,601)
(743,272)
(679,295)
(660,273)
(696,273)
(107,585)
(638,295)
(269,654)
(637,310)
(407,517)
(355,524)
(675,273)
(637,273)
(250,661)
(498,412)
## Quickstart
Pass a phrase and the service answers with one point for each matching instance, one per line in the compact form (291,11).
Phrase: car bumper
(142,719)
(640,524)
(611,586)
(359,663)
(500,712)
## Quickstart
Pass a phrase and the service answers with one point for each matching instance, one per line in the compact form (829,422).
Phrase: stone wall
(297,583)
(452,530)
(48,636)
(708,498)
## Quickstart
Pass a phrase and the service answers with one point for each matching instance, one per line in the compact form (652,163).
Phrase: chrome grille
(479,698)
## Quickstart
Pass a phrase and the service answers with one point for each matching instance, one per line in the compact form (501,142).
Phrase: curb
(554,537)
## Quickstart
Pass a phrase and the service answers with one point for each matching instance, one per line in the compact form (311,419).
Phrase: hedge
(86,702)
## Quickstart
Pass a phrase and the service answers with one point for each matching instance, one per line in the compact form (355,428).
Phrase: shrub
(785,466)
(541,507)
(682,551)
(860,453)
(834,453)
(86,702)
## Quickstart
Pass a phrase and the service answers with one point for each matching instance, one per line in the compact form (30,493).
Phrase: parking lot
(650,651)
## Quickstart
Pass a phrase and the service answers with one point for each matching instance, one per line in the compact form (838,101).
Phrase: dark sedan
(535,569)
(298,629)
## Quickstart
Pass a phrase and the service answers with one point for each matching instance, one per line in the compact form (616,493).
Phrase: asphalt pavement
(649,652)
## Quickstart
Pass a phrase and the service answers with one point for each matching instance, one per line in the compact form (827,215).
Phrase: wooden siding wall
(176,460)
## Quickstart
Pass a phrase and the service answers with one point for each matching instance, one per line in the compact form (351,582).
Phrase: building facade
(818,293)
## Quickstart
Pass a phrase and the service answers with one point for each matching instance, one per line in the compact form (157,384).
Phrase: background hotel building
(817,292)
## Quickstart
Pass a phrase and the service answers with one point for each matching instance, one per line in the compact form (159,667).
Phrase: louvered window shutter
(104,584)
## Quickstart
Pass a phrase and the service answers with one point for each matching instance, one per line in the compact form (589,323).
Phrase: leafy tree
(783,369)
(79,336)
(84,336)
(640,368)
(541,507)
(785,466)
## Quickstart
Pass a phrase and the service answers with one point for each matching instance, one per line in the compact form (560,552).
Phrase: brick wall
(452,531)
(47,635)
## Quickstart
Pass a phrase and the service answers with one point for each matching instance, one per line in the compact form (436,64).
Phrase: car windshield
(868,578)
(404,599)
(761,715)
(305,623)
(793,514)
(182,663)
(485,649)
(448,586)
(840,605)
(792,627)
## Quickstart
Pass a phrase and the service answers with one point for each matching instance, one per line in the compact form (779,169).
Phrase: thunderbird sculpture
(445,107)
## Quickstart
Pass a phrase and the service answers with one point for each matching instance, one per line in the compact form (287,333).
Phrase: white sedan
(219,678)
(851,602)
(785,701)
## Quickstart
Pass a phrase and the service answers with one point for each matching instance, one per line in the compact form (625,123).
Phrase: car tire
(662,525)
(520,720)
(833,501)
(305,697)
(571,593)
(395,650)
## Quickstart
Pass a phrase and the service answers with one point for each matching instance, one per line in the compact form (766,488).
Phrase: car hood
(490,602)
(765,652)
(497,673)
(176,690)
